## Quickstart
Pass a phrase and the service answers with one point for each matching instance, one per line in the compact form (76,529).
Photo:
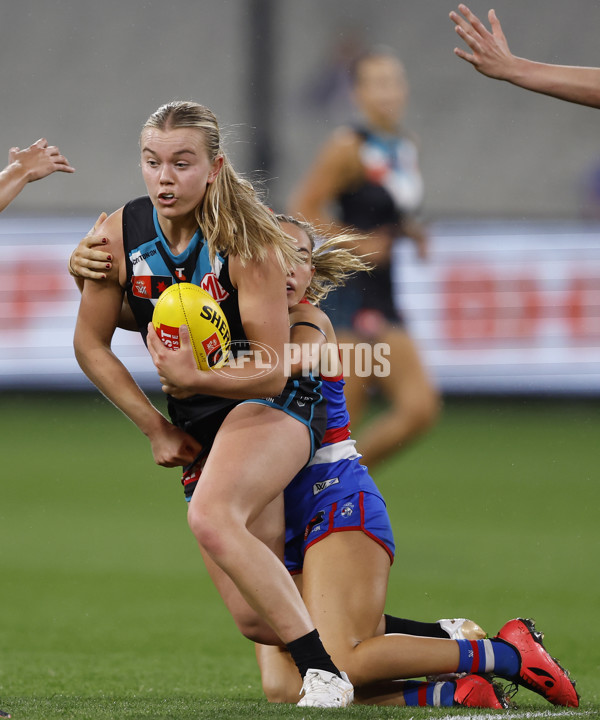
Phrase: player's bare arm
(313,341)
(24,166)
(98,317)
(91,260)
(491,56)
(335,168)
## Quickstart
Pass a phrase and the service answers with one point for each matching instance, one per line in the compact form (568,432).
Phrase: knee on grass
(277,691)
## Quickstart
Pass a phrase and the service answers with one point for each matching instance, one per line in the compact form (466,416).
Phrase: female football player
(334,263)
(369,176)
(339,546)
(202,222)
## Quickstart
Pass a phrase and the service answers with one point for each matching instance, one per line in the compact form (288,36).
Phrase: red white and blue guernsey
(334,492)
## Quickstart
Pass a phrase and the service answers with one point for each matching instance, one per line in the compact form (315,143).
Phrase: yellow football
(188,304)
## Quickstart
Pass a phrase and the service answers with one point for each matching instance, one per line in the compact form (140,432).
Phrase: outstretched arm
(24,166)
(491,56)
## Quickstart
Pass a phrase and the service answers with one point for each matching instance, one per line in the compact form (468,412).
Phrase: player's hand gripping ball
(188,304)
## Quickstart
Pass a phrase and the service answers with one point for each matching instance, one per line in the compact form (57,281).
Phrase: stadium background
(87,75)
(104,600)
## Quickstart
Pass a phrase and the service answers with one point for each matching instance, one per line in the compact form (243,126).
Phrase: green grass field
(107,612)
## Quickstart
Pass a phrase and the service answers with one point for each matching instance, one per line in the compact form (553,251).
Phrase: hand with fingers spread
(40,160)
(24,166)
(490,54)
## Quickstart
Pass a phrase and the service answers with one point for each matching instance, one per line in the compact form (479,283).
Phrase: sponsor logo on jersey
(150,286)
(320,486)
(211,284)
(135,259)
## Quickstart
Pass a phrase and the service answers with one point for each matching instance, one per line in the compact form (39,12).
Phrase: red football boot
(539,671)
(479,692)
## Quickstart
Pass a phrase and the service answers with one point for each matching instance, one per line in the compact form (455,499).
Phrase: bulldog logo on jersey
(347,510)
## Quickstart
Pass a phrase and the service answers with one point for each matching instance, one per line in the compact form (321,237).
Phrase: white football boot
(326,690)
(462,629)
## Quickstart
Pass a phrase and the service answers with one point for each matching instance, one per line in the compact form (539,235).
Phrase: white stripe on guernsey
(489,656)
(437,694)
(343,450)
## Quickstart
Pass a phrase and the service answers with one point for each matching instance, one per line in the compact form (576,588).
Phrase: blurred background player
(369,174)
(491,56)
(24,166)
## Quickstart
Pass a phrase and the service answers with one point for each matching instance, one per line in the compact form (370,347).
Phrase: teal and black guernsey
(151,268)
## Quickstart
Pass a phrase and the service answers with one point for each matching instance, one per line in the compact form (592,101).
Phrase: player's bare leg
(238,481)
(269,528)
(354,569)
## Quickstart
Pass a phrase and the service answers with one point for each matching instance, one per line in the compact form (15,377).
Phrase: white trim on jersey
(343,450)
